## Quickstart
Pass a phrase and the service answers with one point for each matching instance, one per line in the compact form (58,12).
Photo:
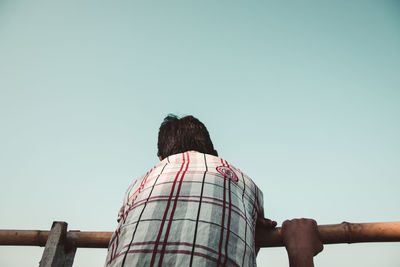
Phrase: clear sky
(303,96)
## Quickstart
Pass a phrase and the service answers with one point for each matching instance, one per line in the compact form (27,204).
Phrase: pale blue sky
(303,97)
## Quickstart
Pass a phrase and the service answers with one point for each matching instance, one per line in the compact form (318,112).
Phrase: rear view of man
(196,209)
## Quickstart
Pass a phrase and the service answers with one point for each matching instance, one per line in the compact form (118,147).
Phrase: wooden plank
(58,253)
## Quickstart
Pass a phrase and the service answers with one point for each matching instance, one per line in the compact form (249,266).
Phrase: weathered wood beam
(58,252)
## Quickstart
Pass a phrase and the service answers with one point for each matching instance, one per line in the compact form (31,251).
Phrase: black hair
(178,135)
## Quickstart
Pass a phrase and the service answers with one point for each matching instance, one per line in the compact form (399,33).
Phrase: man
(196,209)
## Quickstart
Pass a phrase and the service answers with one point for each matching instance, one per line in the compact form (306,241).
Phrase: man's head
(181,135)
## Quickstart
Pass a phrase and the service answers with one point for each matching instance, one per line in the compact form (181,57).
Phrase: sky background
(303,96)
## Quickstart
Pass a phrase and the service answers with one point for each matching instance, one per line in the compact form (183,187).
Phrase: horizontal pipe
(341,233)
(39,238)
(329,234)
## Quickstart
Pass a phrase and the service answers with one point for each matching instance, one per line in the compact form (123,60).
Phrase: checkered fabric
(191,209)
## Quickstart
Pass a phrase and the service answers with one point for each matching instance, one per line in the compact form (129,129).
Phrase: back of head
(184,134)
